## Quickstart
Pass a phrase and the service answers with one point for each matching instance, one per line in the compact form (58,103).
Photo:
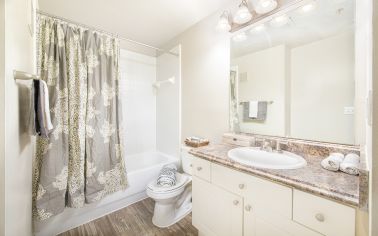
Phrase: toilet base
(161,220)
(167,213)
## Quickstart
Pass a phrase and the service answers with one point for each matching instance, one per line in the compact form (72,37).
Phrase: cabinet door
(257,226)
(267,223)
(216,212)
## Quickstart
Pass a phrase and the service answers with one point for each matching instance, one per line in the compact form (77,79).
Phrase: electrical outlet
(348,110)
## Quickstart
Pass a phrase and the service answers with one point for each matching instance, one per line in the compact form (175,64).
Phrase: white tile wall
(138,72)
(168,102)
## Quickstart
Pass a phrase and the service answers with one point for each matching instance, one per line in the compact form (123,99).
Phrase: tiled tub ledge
(312,178)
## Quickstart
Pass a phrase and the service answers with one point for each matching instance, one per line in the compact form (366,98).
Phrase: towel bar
(20,75)
(269,102)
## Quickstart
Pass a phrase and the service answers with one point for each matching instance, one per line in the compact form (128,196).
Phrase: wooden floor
(134,220)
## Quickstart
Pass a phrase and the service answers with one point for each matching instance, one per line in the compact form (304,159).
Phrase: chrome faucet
(278,146)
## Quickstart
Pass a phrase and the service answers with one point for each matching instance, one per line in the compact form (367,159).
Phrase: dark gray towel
(36,94)
(40,122)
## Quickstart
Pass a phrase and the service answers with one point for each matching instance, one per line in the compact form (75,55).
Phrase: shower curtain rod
(105,32)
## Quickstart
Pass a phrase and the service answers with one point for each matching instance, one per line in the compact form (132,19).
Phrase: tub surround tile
(311,178)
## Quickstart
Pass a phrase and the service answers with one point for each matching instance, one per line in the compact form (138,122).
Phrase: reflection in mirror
(293,74)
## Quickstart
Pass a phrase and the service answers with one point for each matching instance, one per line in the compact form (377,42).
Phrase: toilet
(173,203)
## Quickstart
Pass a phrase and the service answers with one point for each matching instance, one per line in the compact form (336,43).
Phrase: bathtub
(141,169)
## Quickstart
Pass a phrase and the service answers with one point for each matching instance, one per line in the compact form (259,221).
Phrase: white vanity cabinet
(231,203)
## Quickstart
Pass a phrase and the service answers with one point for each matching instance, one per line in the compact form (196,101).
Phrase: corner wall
(205,70)
(19,146)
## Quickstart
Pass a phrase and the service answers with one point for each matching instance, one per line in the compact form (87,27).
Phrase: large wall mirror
(292,73)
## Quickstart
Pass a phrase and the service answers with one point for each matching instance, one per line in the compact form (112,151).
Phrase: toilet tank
(186,159)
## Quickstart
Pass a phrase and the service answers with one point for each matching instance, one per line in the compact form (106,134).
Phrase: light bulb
(243,15)
(265,3)
(279,21)
(265,6)
(308,7)
(258,28)
(223,23)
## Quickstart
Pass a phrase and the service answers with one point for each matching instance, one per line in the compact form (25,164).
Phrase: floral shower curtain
(81,161)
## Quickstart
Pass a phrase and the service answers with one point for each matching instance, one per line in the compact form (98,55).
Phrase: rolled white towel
(350,164)
(333,161)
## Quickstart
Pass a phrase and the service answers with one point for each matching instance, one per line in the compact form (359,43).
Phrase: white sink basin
(270,160)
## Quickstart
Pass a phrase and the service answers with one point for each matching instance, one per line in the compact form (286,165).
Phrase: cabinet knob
(319,217)
(199,168)
(236,202)
(241,186)
(191,165)
(247,208)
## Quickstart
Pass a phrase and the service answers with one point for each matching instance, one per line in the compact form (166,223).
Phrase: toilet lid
(181,180)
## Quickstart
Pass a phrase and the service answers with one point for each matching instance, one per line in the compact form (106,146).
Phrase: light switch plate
(348,110)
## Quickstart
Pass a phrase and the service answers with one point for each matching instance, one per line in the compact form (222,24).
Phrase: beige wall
(265,72)
(205,73)
(2,116)
(19,53)
(322,84)
(367,222)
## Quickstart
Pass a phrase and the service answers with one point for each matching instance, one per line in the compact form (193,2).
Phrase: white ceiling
(153,22)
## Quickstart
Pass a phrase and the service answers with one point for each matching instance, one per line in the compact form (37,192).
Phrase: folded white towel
(253,109)
(350,164)
(333,161)
(46,105)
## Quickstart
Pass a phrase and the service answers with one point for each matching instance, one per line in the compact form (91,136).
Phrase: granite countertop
(311,178)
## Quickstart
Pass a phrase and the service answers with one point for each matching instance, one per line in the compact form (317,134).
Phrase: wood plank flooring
(134,220)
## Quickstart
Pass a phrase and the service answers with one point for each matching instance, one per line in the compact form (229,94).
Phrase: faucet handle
(267,142)
(278,145)
(256,141)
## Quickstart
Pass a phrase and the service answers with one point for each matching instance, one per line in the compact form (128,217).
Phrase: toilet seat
(181,180)
(159,192)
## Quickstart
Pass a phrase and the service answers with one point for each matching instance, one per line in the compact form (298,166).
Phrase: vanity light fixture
(243,15)
(224,23)
(279,21)
(257,28)
(239,37)
(265,6)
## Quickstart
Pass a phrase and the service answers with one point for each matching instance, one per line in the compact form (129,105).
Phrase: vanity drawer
(265,197)
(325,216)
(201,168)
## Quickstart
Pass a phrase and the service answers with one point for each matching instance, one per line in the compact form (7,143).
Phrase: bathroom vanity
(234,199)
(293,84)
